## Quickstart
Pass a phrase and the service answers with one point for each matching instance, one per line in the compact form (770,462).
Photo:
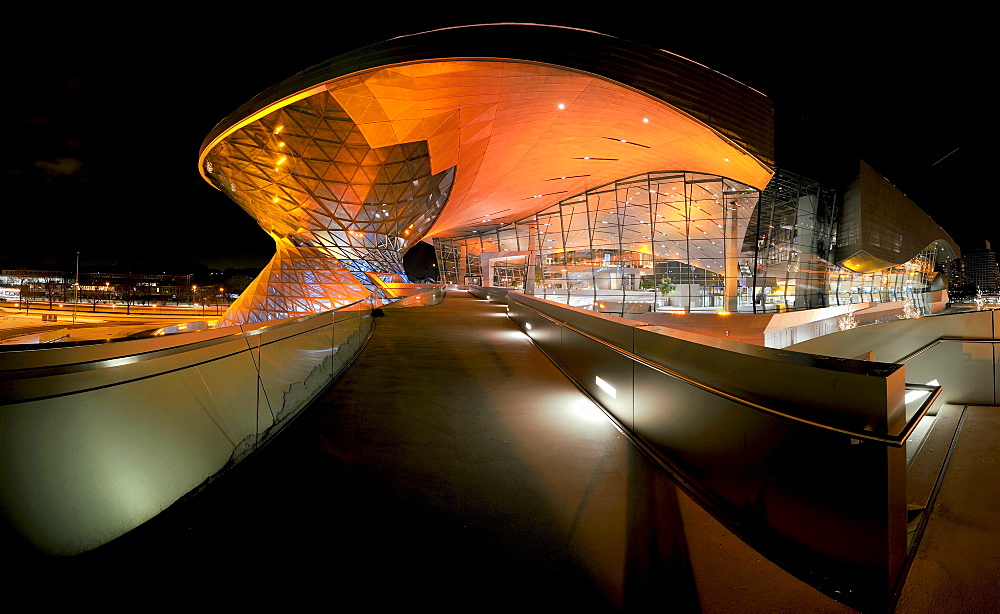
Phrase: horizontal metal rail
(940,340)
(892,440)
(116,361)
(126,360)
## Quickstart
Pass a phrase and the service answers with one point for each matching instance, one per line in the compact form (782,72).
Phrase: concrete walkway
(957,566)
(451,467)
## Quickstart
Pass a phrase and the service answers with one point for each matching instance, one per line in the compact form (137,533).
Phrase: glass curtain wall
(669,240)
(790,244)
(903,282)
(681,241)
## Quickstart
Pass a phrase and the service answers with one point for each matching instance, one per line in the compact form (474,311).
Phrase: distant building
(974,272)
(20,277)
(33,285)
(16,284)
(9,294)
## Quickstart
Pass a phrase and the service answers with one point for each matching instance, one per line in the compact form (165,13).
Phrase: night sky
(103,113)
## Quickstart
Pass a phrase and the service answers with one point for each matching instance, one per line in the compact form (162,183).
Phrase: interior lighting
(527,325)
(645,120)
(560,106)
(279,129)
(606,387)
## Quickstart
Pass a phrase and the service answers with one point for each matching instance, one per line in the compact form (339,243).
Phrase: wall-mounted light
(606,387)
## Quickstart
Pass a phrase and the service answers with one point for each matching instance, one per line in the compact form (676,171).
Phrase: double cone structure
(336,206)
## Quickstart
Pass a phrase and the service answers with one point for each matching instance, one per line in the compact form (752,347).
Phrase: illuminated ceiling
(524,136)
(523,133)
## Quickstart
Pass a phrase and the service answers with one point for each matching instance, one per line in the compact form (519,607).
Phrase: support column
(529,280)
(731,254)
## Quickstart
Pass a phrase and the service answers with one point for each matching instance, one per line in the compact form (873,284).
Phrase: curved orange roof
(522,133)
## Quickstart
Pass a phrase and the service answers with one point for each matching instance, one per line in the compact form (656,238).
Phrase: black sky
(104,112)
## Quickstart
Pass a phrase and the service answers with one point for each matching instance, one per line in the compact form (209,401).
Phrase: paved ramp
(452,466)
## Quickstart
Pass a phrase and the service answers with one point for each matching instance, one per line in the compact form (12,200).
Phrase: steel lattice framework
(336,207)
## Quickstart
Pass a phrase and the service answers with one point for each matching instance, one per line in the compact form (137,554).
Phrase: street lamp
(76,287)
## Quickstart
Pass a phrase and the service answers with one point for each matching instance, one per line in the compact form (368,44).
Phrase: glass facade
(681,241)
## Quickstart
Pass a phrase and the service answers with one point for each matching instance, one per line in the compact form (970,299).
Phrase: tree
(25,296)
(666,285)
(52,288)
(129,292)
(96,293)
(909,310)
(847,321)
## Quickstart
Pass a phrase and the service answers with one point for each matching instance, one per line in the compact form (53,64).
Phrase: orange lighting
(388,110)
(466,117)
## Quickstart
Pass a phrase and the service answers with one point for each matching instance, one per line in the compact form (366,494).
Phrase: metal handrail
(116,361)
(892,440)
(939,340)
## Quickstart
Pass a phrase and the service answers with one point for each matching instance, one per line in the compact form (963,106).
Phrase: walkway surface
(451,467)
(957,565)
